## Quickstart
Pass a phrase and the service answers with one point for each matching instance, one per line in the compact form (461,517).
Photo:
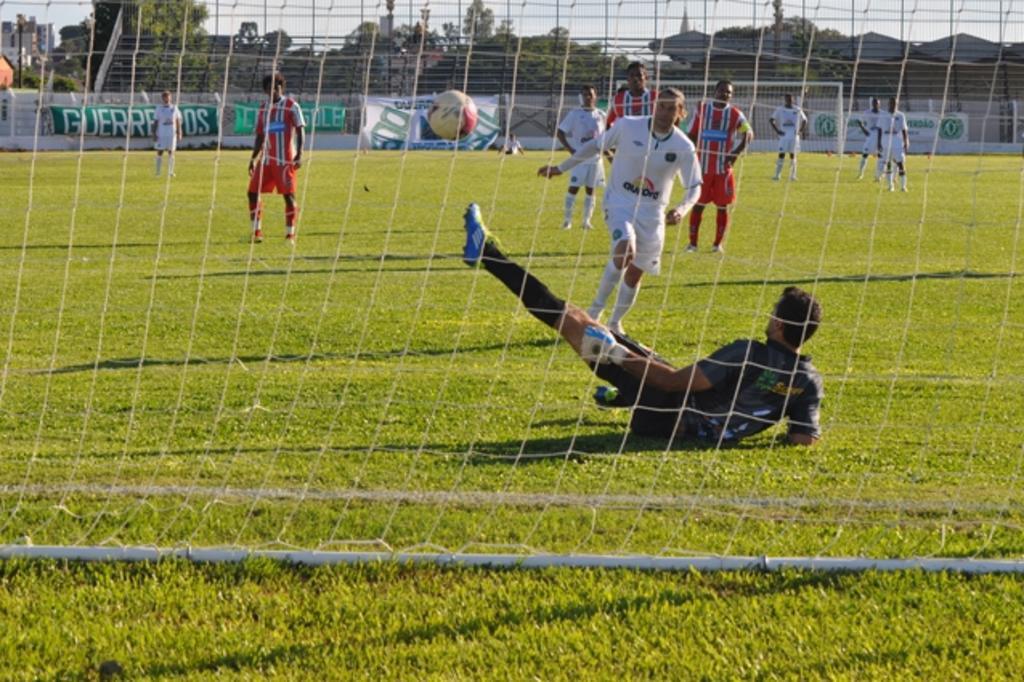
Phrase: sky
(620,20)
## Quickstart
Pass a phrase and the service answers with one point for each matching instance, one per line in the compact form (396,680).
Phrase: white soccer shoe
(616,328)
(567,225)
(690,248)
(587,226)
(600,346)
(717,248)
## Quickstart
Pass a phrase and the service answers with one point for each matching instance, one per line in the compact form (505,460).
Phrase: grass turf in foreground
(142,339)
(172,619)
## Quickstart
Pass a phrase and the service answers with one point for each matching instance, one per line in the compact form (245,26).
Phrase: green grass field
(165,382)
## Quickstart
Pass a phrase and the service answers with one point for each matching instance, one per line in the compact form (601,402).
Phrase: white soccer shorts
(647,235)
(166,141)
(587,175)
(789,144)
(892,148)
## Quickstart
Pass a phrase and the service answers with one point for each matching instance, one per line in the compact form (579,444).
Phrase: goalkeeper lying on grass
(737,391)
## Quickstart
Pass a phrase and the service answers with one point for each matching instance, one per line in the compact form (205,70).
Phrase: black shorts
(657,413)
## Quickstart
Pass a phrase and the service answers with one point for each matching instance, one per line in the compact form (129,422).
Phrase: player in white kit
(650,152)
(894,142)
(577,128)
(790,124)
(868,123)
(166,131)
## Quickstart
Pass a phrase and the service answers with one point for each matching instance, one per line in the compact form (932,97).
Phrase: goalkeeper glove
(601,347)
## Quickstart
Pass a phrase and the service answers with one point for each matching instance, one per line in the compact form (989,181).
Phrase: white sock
(623,302)
(609,279)
(881,169)
(778,167)
(863,163)
(792,167)
(159,160)
(588,208)
(570,202)
(903,180)
(170,164)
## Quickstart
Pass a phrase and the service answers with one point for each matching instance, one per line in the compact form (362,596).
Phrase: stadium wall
(26,123)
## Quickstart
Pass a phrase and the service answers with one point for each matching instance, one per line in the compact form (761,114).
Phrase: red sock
(695,217)
(721,225)
(290,214)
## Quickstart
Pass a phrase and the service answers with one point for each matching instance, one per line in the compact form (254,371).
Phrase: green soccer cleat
(605,396)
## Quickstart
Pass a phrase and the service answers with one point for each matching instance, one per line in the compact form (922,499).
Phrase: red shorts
(719,190)
(272,178)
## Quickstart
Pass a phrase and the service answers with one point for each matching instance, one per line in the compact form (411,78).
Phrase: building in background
(36,41)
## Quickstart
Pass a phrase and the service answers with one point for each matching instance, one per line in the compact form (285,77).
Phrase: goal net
(169,384)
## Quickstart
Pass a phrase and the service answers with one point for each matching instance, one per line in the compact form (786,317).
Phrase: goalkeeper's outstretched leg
(603,350)
(569,320)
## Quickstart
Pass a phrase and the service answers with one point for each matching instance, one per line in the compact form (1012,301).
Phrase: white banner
(922,129)
(394,122)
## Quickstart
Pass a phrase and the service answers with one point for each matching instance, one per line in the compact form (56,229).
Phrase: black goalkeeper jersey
(754,385)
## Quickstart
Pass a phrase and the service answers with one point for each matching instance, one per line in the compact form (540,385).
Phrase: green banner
(116,121)
(328,117)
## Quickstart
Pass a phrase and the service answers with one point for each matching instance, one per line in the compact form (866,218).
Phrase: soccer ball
(452,115)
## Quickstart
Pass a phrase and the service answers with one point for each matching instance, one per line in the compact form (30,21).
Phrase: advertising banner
(393,123)
(922,130)
(116,121)
(328,117)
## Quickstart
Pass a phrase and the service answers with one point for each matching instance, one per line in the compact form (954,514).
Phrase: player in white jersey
(868,123)
(790,124)
(650,152)
(166,131)
(577,128)
(894,142)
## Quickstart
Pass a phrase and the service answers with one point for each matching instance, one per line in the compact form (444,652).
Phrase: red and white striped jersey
(626,103)
(716,131)
(277,127)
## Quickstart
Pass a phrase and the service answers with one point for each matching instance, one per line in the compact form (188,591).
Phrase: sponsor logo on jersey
(714,135)
(670,157)
(276,127)
(769,381)
(642,186)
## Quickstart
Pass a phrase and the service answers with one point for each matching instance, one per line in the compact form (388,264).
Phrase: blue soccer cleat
(476,235)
